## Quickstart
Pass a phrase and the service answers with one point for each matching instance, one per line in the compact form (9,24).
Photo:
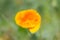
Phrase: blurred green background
(50,25)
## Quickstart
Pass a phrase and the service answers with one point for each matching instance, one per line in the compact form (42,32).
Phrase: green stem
(33,37)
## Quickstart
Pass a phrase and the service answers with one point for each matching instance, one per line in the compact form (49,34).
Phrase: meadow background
(50,25)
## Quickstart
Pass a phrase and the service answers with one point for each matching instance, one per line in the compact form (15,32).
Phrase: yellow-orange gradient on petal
(29,19)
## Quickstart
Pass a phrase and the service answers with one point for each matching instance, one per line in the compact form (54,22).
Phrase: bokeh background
(50,25)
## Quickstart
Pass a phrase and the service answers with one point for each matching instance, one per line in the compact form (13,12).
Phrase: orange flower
(29,19)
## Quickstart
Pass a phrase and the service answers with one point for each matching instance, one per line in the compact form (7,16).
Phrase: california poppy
(29,19)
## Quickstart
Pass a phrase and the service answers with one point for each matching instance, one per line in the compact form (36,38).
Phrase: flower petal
(35,29)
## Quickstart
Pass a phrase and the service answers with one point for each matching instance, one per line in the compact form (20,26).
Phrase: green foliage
(48,9)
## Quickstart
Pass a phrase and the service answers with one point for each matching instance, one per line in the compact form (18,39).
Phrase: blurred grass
(49,11)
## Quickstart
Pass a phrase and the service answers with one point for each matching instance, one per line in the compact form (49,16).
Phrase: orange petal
(35,29)
(28,19)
